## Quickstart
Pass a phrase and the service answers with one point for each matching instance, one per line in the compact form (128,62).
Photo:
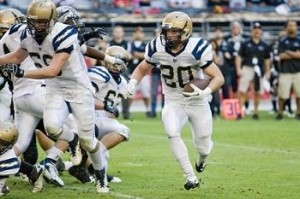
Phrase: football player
(109,87)
(55,50)
(181,59)
(29,98)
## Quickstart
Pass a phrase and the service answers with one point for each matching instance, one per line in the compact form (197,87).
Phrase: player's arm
(16,57)
(217,79)
(141,70)
(238,65)
(53,70)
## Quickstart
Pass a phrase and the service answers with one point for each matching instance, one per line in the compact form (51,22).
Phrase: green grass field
(250,159)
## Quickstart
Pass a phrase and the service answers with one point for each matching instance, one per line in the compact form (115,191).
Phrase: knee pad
(88,144)
(124,131)
(53,131)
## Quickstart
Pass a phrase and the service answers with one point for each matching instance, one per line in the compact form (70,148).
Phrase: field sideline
(250,159)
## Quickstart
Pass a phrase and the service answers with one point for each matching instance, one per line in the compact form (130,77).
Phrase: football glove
(12,69)
(198,93)
(97,33)
(130,88)
(115,61)
(111,109)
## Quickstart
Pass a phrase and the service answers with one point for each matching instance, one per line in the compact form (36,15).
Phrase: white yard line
(111,193)
(250,148)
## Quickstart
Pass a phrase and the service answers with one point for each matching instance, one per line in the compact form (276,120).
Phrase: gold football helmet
(177,21)
(68,15)
(8,136)
(119,52)
(9,17)
(41,16)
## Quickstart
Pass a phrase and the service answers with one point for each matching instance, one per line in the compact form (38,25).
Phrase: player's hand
(197,93)
(116,61)
(97,33)
(111,109)
(130,88)
(12,69)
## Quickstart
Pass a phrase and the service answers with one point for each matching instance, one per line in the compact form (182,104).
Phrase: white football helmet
(68,15)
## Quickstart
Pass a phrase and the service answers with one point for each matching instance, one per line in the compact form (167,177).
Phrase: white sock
(68,165)
(54,153)
(97,157)
(180,153)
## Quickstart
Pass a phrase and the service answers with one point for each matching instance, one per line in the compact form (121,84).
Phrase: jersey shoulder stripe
(200,48)
(14,28)
(99,73)
(151,48)
(62,36)
(23,34)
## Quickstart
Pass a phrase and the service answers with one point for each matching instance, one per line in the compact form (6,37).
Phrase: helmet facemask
(176,22)
(41,15)
(68,15)
(9,17)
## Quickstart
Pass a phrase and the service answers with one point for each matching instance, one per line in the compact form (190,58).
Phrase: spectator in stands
(122,3)
(252,65)
(3,2)
(230,48)
(63,2)
(237,4)
(212,3)
(155,83)
(255,3)
(137,50)
(289,70)
(179,3)
(216,43)
(118,40)
(274,2)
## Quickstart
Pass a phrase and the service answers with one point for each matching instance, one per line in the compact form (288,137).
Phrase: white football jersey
(107,88)
(9,43)
(73,78)
(179,68)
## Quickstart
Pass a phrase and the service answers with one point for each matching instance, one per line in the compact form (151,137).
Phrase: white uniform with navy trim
(28,94)
(176,70)
(71,89)
(5,100)
(110,90)
(9,163)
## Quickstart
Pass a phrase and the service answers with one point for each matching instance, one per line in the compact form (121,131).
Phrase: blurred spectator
(274,2)
(255,3)
(289,70)
(237,4)
(216,43)
(118,40)
(137,49)
(230,49)
(3,2)
(179,3)
(63,2)
(155,84)
(122,3)
(212,3)
(199,4)
(252,65)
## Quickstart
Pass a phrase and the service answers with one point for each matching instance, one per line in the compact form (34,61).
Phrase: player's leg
(84,115)
(174,118)
(200,119)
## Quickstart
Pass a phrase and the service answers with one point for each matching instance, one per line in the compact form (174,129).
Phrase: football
(200,83)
